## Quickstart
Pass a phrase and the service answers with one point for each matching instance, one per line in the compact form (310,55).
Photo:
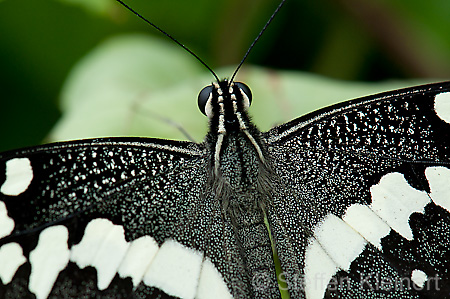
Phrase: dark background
(40,41)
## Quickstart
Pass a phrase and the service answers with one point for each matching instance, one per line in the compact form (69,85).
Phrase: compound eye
(204,100)
(247,92)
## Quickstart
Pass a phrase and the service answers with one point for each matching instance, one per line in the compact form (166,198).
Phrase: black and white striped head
(226,103)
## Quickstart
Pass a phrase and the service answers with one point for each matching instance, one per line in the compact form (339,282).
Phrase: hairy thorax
(243,181)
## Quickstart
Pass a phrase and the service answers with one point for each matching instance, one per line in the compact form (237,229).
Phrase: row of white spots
(442,106)
(50,256)
(173,268)
(338,242)
(19,175)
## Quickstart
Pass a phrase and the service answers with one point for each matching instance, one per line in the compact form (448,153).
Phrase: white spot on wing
(419,277)
(442,106)
(50,256)
(19,175)
(339,240)
(139,255)
(394,200)
(335,246)
(175,270)
(319,269)
(362,219)
(103,246)
(439,179)
(6,223)
(211,283)
(11,257)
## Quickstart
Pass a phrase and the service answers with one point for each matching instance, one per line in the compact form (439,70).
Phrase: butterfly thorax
(240,173)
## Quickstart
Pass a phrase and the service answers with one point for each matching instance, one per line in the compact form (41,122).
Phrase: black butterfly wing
(362,206)
(118,217)
(131,217)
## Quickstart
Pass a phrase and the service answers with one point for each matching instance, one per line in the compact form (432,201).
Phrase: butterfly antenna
(169,36)
(257,38)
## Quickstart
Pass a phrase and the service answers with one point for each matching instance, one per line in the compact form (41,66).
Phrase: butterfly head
(225,102)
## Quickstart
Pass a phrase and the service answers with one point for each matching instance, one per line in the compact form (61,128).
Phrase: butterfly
(355,197)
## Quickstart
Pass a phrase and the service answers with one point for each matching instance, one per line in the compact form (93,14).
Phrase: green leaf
(97,6)
(135,85)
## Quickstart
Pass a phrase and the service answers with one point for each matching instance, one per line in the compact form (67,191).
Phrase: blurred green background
(41,42)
